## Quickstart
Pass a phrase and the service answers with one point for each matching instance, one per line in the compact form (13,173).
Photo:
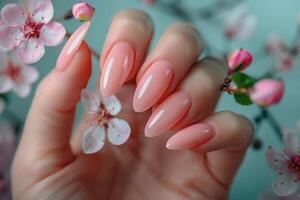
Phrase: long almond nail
(168,113)
(71,47)
(152,85)
(192,136)
(117,68)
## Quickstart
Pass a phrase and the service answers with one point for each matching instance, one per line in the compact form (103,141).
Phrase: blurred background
(271,18)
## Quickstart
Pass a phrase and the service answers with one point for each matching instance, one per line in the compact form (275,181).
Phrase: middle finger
(176,51)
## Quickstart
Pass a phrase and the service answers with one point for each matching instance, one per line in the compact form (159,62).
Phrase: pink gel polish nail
(192,136)
(71,47)
(154,82)
(117,68)
(168,113)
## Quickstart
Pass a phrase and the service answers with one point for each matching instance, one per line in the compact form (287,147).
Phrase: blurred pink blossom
(239,58)
(7,148)
(83,11)
(15,75)
(275,44)
(7,144)
(267,92)
(100,113)
(286,164)
(27,28)
(239,23)
(284,61)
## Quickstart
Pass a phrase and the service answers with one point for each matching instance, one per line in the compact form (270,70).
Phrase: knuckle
(233,120)
(185,33)
(137,18)
(240,127)
(217,67)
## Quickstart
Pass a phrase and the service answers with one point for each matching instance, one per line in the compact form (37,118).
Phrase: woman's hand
(182,92)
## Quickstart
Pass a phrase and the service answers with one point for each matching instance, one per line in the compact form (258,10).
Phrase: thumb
(44,145)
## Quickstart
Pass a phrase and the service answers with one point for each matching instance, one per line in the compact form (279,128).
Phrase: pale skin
(49,163)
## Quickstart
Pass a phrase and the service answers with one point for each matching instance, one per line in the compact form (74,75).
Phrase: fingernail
(117,68)
(71,47)
(192,136)
(152,85)
(168,113)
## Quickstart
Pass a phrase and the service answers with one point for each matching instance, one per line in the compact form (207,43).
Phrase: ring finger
(194,99)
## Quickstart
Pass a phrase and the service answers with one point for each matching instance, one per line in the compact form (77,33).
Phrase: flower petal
(30,51)
(10,37)
(112,105)
(4,59)
(118,131)
(52,34)
(285,185)
(29,74)
(5,84)
(22,90)
(42,10)
(90,100)
(291,144)
(13,15)
(93,139)
(276,160)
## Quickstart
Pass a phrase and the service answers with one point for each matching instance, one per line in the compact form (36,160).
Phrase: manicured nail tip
(149,134)
(152,85)
(168,113)
(190,137)
(117,68)
(171,147)
(71,47)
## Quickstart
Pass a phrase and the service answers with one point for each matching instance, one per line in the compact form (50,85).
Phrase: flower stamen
(32,29)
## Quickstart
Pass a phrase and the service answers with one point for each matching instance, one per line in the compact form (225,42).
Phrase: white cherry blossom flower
(100,114)
(286,164)
(27,28)
(16,76)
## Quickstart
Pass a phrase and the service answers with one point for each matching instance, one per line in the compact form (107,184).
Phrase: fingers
(194,99)
(50,119)
(124,49)
(213,134)
(176,51)
(225,135)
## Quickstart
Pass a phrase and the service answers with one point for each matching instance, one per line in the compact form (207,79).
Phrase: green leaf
(4,97)
(242,99)
(238,68)
(242,80)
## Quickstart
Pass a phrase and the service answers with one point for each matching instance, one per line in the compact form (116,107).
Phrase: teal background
(274,16)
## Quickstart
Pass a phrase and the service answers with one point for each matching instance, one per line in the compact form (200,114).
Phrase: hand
(207,147)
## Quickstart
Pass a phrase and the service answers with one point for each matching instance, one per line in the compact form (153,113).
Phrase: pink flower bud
(239,58)
(83,11)
(267,92)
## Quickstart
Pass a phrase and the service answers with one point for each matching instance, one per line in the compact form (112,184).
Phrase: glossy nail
(152,85)
(117,68)
(193,136)
(71,47)
(168,113)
